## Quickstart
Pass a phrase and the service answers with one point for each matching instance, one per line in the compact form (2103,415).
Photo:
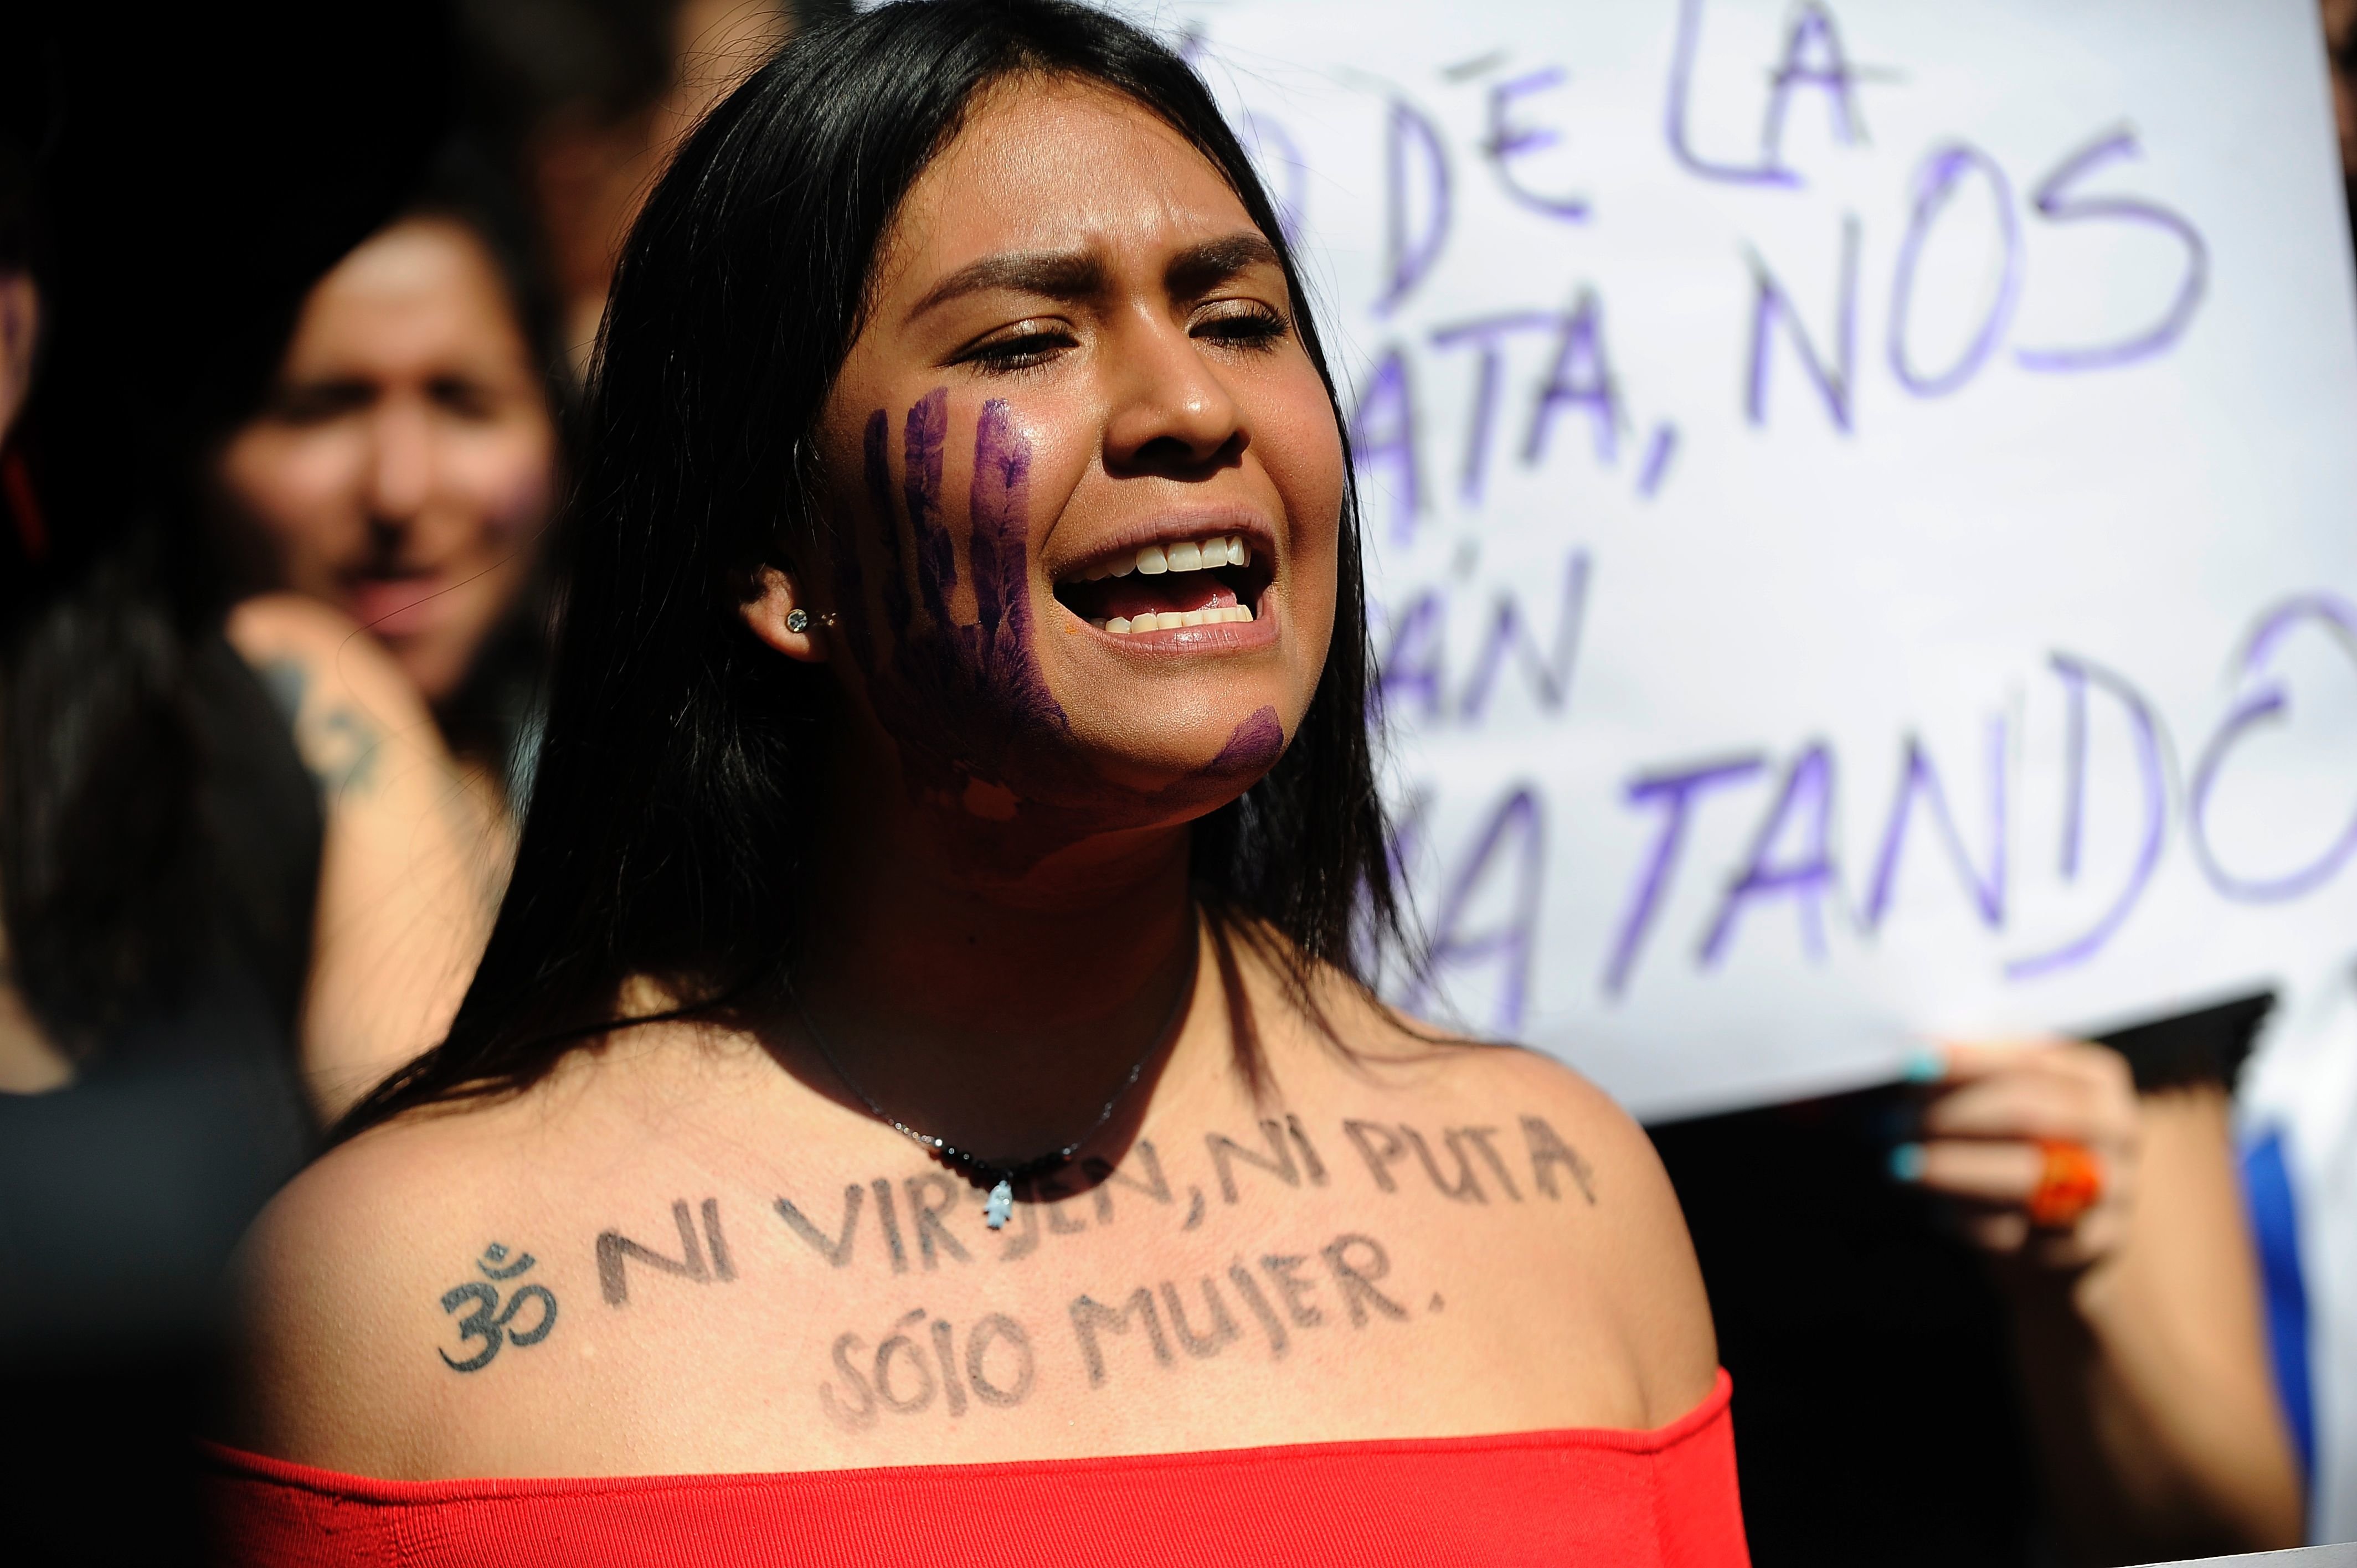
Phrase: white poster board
(1862,499)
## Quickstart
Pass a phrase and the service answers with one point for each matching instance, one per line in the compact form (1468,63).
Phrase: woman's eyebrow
(1200,268)
(1070,274)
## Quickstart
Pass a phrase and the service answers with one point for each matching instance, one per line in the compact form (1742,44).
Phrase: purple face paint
(967,703)
(1917,776)
(1253,747)
(2078,674)
(1001,550)
(926,435)
(1837,382)
(1807,802)
(1677,792)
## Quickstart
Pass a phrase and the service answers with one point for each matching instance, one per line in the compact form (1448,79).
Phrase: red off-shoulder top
(1595,1499)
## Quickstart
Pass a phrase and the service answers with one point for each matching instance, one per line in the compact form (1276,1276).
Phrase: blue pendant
(1002,1204)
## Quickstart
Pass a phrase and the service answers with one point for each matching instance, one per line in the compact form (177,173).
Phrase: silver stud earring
(797,620)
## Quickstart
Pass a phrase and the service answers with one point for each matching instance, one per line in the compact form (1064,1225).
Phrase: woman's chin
(435,665)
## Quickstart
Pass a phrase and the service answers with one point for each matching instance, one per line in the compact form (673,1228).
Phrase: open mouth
(1211,581)
(394,606)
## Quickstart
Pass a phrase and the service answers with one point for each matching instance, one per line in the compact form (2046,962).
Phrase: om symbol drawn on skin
(481,1323)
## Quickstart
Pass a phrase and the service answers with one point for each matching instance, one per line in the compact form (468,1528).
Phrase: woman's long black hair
(174,189)
(677,800)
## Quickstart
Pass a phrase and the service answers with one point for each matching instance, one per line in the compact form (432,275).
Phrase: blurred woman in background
(166,197)
(402,462)
(389,486)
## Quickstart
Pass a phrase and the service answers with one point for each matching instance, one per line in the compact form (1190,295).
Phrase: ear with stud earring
(772,615)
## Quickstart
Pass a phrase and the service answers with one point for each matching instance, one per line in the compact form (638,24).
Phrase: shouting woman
(921,1101)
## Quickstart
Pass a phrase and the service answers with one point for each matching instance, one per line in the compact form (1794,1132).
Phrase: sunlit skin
(1145,360)
(1131,333)
(998,927)
(2138,1325)
(402,469)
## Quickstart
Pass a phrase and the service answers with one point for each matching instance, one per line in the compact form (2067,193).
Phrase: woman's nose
(400,479)
(1172,411)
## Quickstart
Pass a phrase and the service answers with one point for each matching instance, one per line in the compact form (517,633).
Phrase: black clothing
(122,1195)
(1878,1412)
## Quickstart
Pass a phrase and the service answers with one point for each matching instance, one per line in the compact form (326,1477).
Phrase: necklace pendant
(1001,1206)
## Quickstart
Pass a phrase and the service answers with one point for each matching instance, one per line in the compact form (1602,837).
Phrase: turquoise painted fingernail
(1925,1066)
(1906,1162)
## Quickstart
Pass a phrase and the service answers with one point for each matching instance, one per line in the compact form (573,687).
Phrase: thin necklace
(1004,1177)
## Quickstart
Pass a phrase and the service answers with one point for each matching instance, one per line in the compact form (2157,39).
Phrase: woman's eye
(1019,352)
(317,403)
(1256,328)
(458,395)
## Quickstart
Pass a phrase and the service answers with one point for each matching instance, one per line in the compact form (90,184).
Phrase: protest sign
(1862,499)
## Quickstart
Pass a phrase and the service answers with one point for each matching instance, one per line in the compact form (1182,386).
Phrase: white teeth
(1170,620)
(1188,555)
(1180,555)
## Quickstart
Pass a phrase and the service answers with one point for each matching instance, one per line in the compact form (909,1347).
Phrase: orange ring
(2070,1184)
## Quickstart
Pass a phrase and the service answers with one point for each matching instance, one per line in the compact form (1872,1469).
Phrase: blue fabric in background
(2274,1227)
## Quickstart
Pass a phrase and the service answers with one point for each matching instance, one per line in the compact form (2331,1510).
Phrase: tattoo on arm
(490,1322)
(339,743)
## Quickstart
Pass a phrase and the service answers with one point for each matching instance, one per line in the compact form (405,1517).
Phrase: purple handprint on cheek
(967,703)
(1001,548)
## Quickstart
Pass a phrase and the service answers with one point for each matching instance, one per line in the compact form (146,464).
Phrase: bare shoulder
(1575,1179)
(353,1279)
